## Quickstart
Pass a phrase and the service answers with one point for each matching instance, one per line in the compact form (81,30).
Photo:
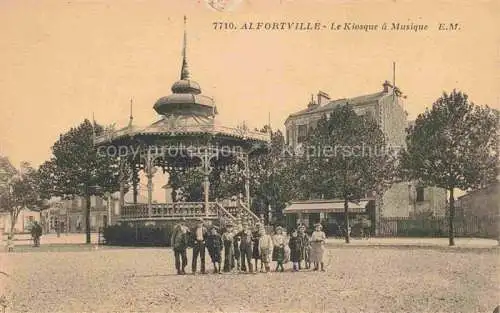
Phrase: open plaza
(375,275)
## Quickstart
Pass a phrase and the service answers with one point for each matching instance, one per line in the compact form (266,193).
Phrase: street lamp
(409,199)
(108,200)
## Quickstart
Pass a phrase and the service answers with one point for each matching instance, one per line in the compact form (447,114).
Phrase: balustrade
(176,210)
(169,210)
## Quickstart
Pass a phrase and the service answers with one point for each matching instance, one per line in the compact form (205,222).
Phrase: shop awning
(324,207)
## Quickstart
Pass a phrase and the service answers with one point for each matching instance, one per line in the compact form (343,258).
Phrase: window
(287,138)
(99,202)
(313,125)
(370,114)
(302,133)
(420,194)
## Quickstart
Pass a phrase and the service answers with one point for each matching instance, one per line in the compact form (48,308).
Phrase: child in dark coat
(236,250)
(304,246)
(256,250)
(295,250)
(214,245)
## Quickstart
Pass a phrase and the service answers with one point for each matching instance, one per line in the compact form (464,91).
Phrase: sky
(63,61)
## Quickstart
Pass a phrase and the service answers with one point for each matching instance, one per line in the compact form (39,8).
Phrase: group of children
(238,246)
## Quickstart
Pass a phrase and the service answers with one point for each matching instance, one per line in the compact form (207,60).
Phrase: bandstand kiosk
(186,136)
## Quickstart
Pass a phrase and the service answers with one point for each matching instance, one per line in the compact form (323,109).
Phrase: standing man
(246,248)
(179,242)
(200,236)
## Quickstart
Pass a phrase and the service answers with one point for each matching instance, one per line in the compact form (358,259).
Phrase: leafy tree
(453,145)
(348,157)
(271,179)
(77,169)
(17,189)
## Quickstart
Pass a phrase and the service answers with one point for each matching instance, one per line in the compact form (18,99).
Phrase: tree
(267,169)
(17,189)
(77,169)
(348,157)
(453,145)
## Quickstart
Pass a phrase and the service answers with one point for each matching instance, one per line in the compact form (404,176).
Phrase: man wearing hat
(199,234)
(246,248)
(179,242)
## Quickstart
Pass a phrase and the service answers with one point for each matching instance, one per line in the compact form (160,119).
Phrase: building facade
(24,221)
(480,209)
(482,203)
(386,107)
(68,215)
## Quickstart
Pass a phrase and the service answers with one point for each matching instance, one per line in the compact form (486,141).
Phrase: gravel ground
(367,279)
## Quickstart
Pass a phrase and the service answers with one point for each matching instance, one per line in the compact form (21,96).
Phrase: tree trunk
(451,231)
(346,212)
(13,220)
(87,219)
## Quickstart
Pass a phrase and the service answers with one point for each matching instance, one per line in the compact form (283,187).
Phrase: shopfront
(330,213)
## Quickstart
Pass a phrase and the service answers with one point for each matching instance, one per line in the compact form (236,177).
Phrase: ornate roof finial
(184,70)
(131,116)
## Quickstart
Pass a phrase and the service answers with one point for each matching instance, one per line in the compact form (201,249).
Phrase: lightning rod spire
(184,70)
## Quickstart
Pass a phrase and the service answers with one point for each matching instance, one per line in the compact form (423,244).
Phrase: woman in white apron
(318,238)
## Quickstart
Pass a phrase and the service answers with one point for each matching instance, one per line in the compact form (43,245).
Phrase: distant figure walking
(10,243)
(58,228)
(36,233)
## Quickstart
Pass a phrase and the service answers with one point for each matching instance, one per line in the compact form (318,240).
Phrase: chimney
(311,103)
(323,98)
(387,86)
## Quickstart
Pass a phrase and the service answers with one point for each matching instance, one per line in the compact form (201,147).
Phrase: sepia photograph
(250,156)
